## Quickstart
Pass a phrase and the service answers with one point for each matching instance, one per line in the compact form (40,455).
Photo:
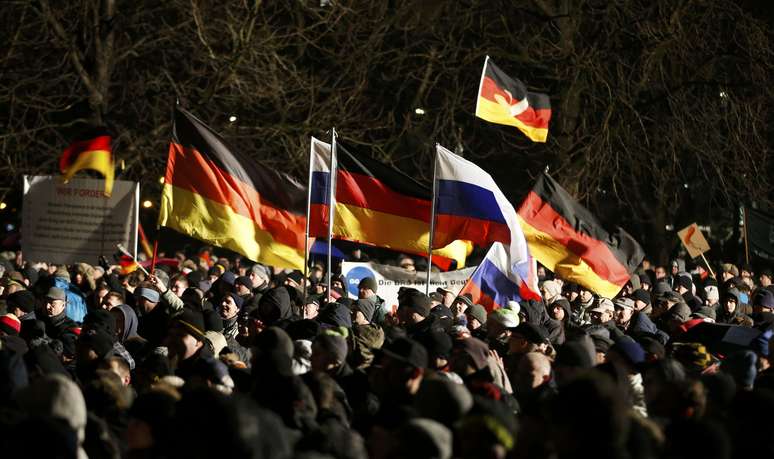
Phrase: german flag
(91,152)
(378,205)
(567,239)
(503,100)
(216,195)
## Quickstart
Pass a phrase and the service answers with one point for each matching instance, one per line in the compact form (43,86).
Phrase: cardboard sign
(389,279)
(693,240)
(76,222)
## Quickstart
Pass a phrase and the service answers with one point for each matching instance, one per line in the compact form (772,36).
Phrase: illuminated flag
(504,100)
(567,239)
(214,194)
(94,153)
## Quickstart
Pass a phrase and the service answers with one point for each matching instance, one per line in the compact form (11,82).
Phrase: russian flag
(320,158)
(470,206)
(493,284)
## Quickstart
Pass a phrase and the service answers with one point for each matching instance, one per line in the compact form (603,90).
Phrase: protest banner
(390,279)
(76,222)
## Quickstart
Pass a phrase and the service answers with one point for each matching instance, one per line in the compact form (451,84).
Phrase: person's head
(179,284)
(550,290)
(407,264)
(602,312)
(414,307)
(624,310)
(186,336)
(243,285)
(311,308)
(641,298)
(363,311)
(500,323)
(763,301)
(56,300)
(477,317)
(711,294)
(571,291)
(559,310)
(401,370)
(21,303)
(526,338)
(258,276)
(367,288)
(765,278)
(447,296)
(147,299)
(329,352)
(118,366)
(460,305)
(585,295)
(533,370)
(230,306)
(728,271)
(112,299)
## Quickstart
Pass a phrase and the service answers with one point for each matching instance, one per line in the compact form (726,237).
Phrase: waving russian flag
(470,206)
(493,284)
(320,160)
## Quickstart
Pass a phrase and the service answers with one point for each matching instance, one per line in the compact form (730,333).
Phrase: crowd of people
(219,357)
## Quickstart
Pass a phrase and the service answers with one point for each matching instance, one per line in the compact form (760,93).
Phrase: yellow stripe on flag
(496,113)
(98,160)
(201,218)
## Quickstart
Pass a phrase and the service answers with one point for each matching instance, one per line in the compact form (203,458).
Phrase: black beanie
(369,283)
(23,299)
(100,320)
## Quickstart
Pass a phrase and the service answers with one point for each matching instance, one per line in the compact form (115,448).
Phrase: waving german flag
(90,152)
(503,100)
(567,239)
(216,195)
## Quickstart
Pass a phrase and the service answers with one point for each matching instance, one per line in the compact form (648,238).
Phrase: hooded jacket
(274,306)
(130,322)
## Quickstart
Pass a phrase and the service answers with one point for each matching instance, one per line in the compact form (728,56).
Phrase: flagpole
(331,203)
(746,243)
(432,224)
(308,216)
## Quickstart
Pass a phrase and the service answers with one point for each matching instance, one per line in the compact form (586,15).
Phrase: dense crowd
(218,357)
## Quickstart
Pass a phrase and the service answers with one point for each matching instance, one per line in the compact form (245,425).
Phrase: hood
(275,306)
(130,322)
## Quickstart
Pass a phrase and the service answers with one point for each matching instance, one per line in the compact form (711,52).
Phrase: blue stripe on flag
(467,200)
(495,284)
(320,183)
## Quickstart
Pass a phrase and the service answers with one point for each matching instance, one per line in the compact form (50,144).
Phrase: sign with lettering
(76,222)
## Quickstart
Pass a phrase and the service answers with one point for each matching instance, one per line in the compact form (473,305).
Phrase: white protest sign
(390,279)
(76,222)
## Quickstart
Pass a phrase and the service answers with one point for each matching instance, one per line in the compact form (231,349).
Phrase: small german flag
(92,152)
(503,100)
(567,239)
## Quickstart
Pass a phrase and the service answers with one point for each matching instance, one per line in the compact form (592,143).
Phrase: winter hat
(551,289)
(228,278)
(31,274)
(630,350)
(55,293)
(407,351)
(694,356)
(685,282)
(63,273)
(624,303)
(192,322)
(97,340)
(466,299)
(244,280)
(712,293)
(641,295)
(100,319)
(477,350)
(217,340)
(705,312)
(437,343)
(417,301)
(238,300)
(533,333)
(23,299)
(645,280)
(369,283)
(443,400)
(149,294)
(603,305)
(57,396)
(366,306)
(274,305)
(729,268)
(477,312)
(764,299)
(576,354)
(10,324)
(660,289)
(423,438)
(508,318)
(334,345)
(336,315)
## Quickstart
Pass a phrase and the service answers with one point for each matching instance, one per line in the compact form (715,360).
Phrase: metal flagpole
(432,224)
(308,214)
(331,203)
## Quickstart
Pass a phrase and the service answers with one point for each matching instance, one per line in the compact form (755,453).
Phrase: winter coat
(75,308)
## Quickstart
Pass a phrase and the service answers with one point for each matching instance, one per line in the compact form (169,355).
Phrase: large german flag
(93,152)
(379,205)
(503,100)
(567,239)
(214,194)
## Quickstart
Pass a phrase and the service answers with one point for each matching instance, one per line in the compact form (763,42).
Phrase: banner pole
(331,203)
(155,251)
(432,225)
(308,215)
(746,243)
(708,265)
